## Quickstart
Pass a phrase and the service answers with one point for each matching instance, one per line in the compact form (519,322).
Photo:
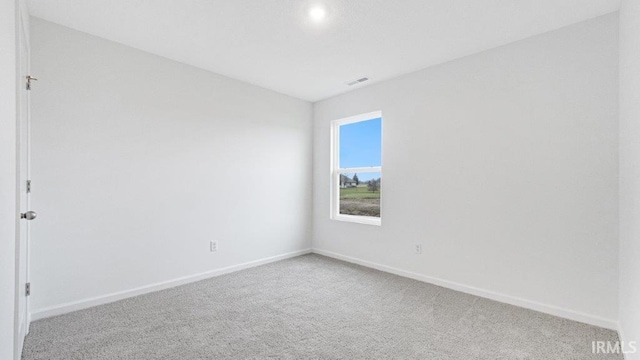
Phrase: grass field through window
(360,200)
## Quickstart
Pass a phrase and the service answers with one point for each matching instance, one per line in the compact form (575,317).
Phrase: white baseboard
(623,340)
(512,300)
(528,304)
(104,299)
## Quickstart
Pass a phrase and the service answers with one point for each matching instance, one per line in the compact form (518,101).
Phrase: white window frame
(336,170)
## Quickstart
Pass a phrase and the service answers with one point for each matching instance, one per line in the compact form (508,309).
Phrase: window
(356,170)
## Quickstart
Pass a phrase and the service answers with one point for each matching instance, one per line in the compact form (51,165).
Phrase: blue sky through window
(361,144)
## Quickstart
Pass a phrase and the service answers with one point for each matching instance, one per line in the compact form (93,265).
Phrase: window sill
(367,220)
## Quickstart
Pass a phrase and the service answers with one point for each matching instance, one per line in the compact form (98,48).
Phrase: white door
(22,274)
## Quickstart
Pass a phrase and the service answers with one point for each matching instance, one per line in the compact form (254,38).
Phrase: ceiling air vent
(358,81)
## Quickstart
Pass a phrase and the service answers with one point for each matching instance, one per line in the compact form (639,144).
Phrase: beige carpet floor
(310,307)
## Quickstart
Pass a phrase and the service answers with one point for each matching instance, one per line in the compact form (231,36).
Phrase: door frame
(23,133)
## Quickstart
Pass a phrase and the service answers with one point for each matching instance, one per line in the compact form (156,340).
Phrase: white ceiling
(274,44)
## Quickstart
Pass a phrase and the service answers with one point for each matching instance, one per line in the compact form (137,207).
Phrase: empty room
(319,179)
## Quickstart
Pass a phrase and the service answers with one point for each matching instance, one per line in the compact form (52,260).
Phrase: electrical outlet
(418,249)
(213,246)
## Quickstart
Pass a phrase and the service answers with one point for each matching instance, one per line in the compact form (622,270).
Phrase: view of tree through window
(360,195)
(360,161)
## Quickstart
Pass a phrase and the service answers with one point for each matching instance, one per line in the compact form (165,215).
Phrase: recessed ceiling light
(317,13)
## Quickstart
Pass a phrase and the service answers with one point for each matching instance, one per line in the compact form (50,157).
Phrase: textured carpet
(310,307)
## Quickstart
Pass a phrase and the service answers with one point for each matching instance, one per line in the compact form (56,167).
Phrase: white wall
(139,161)
(8,205)
(503,165)
(630,173)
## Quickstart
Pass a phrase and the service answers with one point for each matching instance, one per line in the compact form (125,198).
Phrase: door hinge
(27,289)
(28,186)
(29,79)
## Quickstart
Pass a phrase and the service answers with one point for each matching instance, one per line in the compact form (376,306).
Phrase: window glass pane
(360,194)
(361,143)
